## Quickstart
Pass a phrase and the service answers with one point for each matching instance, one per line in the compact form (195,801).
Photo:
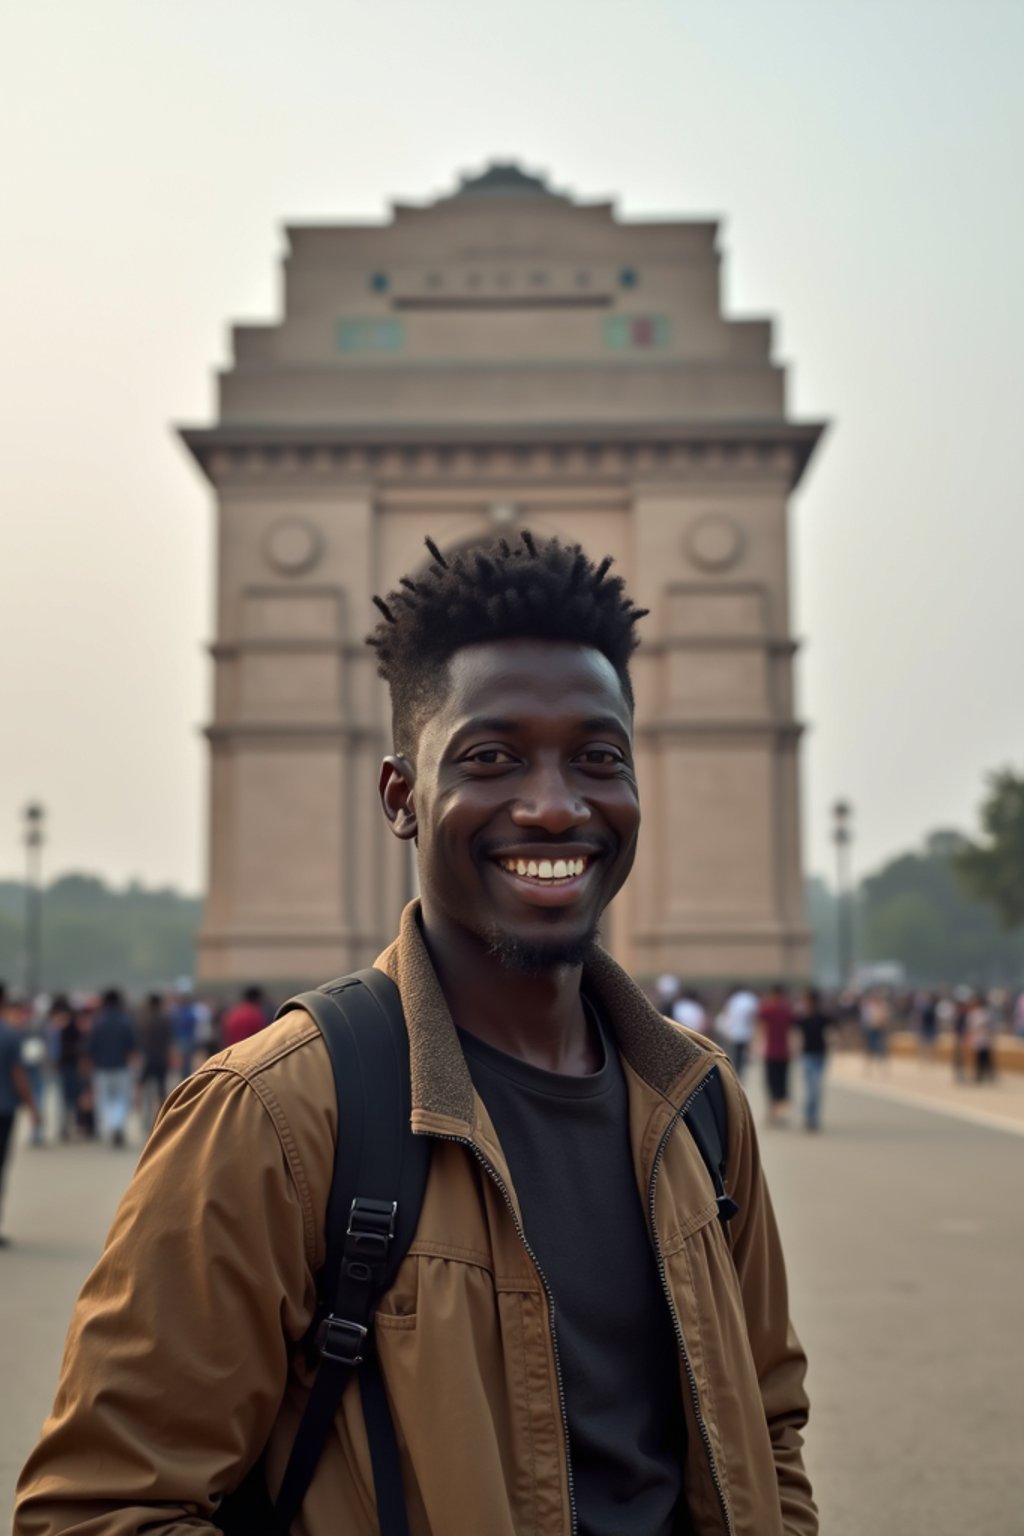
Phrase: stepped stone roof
(503,178)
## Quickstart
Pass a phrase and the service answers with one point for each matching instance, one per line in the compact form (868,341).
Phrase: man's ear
(397,777)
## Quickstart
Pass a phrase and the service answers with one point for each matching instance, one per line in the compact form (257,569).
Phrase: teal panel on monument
(636,333)
(370,335)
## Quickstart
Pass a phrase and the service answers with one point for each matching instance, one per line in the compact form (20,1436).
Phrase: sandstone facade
(503,357)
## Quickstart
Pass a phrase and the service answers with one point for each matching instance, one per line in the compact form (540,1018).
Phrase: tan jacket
(181,1362)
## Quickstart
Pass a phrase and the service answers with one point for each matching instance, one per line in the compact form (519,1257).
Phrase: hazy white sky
(866,158)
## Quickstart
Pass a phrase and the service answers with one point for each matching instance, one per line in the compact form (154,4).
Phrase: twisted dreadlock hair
(495,591)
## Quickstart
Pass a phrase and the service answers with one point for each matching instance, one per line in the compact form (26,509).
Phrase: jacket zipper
(464,1141)
(660,1258)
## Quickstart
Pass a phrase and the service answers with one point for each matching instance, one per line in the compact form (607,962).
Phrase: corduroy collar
(663,1055)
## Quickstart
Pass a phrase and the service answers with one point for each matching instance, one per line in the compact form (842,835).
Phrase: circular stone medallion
(714,542)
(293,546)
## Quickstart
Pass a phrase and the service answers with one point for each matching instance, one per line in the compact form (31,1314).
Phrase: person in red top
(246,1018)
(776,1018)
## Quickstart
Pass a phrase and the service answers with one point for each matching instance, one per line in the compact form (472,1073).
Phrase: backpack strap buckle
(341,1341)
(372,1218)
(371,1227)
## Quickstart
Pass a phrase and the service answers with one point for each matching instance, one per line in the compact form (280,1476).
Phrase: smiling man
(575,1344)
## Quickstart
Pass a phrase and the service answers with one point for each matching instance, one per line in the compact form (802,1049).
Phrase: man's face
(525,800)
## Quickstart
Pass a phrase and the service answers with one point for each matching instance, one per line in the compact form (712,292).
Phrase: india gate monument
(503,357)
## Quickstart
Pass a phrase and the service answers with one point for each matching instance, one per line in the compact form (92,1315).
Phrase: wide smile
(554,882)
(546,870)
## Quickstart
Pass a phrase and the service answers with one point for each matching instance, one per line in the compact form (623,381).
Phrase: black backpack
(380,1174)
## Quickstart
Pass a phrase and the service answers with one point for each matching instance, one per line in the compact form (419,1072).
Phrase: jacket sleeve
(778,1354)
(177,1355)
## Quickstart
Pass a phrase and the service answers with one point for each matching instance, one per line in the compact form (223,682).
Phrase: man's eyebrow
(503,727)
(487,723)
(604,723)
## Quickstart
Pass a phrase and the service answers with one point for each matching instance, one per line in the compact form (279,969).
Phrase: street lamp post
(842,836)
(34,817)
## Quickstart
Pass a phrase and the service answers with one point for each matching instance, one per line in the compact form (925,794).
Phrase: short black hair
(495,590)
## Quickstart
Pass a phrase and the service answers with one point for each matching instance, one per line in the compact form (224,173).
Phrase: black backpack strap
(387,1468)
(380,1173)
(708,1124)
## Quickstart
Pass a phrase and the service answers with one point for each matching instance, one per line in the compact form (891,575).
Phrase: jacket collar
(658,1051)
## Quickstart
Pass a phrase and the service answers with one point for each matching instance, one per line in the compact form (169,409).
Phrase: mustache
(507,848)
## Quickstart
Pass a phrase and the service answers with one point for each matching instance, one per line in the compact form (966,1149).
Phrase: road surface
(903,1231)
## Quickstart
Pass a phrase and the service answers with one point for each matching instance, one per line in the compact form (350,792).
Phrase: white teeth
(545,869)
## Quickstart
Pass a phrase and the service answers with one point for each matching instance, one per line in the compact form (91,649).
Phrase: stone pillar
(718,892)
(295,886)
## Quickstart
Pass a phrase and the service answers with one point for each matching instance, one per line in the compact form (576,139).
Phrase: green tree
(916,910)
(95,936)
(993,869)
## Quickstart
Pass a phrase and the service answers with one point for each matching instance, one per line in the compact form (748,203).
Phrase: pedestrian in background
(736,1026)
(86,1008)
(962,1006)
(15,1089)
(875,1018)
(928,1023)
(814,1025)
(666,991)
(981,1035)
(34,1058)
(246,1018)
(113,1046)
(776,1016)
(688,1009)
(156,1037)
(205,1036)
(68,1035)
(183,1016)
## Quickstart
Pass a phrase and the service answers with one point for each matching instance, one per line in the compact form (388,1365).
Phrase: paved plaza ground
(903,1228)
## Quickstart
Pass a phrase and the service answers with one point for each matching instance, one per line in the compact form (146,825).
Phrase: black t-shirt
(566,1140)
(70,1046)
(813,1027)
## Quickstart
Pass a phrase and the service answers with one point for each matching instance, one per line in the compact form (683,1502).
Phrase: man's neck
(538,1018)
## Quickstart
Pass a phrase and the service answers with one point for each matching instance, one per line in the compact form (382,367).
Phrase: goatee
(528,958)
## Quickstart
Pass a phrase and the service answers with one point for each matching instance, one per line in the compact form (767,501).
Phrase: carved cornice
(786,731)
(230,650)
(290,733)
(705,642)
(422,454)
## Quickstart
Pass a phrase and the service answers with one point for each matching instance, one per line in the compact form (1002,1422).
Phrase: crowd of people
(80,1065)
(92,1060)
(972,1018)
(745,1021)
(808,1025)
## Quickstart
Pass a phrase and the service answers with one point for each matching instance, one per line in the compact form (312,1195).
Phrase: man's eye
(601,757)
(489,757)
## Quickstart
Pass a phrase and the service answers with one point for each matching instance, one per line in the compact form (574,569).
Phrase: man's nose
(548,800)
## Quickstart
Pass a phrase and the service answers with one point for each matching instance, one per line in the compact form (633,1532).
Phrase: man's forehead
(534,674)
